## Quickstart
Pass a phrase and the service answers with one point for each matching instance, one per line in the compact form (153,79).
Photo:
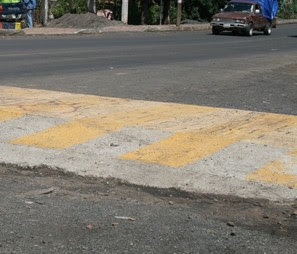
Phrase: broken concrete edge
(44,170)
(11,32)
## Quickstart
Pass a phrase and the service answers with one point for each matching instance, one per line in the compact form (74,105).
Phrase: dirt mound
(88,21)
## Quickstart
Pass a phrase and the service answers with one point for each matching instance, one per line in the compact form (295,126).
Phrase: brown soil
(87,21)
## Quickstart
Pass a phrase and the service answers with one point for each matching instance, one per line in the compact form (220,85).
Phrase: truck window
(238,7)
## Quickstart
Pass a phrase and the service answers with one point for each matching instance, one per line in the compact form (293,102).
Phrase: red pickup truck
(242,16)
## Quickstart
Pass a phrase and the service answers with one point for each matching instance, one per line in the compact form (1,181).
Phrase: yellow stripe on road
(68,134)
(9,114)
(179,149)
(187,147)
(83,130)
(276,172)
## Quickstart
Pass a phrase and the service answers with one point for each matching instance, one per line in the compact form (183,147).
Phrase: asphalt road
(257,73)
(42,212)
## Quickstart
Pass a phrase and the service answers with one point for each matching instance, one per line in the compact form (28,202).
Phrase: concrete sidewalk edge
(109,29)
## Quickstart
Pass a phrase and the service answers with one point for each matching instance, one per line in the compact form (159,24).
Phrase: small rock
(233,234)
(230,224)
(265,216)
(258,204)
(89,226)
(170,202)
(294,213)
(113,145)
(115,224)
(125,218)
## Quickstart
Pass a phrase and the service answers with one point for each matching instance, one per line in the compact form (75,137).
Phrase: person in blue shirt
(31,5)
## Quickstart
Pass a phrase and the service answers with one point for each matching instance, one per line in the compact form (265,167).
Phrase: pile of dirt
(87,21)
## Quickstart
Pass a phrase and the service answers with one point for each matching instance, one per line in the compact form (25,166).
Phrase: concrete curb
(110,29)
(11,32)
(286,21)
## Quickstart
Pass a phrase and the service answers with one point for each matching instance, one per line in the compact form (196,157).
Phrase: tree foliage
(288,9)
(200,10)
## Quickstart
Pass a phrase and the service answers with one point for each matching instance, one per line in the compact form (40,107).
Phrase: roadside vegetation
(148,11)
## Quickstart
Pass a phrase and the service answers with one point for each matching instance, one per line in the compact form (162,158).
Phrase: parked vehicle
(12,14)
(246,16)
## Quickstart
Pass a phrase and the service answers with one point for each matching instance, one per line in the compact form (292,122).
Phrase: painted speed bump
(191,147)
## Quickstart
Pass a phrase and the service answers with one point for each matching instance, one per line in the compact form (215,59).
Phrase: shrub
(192,9)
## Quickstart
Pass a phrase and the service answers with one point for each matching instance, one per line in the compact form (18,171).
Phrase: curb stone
(11,32)
(110,29)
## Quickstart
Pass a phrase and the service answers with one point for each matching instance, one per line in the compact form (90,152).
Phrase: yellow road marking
(179,149)
(188,122)
(282,137)
(197,131)
(187,147)
(275,172)
(68,134)
(9,114)
(82,130)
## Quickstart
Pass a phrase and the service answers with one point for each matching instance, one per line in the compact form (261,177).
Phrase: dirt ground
(86,21)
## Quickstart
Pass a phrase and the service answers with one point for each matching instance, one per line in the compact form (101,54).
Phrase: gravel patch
(87,20)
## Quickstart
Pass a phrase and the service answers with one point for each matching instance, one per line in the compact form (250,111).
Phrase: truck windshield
(240,7)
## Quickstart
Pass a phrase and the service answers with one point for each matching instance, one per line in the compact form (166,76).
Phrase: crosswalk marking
(9,114)
(184,148)
(82,130)
(277,172)
(184,134)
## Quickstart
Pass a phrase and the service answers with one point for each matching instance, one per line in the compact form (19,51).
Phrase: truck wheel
(215,30)
(267,29)
(250,30)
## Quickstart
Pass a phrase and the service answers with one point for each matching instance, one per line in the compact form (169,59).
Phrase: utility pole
(45,12)
(161,12)
(125,6)
(92,6)
(179,12)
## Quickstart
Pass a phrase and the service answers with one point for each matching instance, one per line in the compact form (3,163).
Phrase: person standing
(30,5)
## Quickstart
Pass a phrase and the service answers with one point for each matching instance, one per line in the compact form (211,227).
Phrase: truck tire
(215,30)
(249,30)
(268,29)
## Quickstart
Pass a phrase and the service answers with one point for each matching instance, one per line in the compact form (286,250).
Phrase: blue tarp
(269,7)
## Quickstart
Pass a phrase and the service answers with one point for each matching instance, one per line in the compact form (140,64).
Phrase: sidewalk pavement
(124,28)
